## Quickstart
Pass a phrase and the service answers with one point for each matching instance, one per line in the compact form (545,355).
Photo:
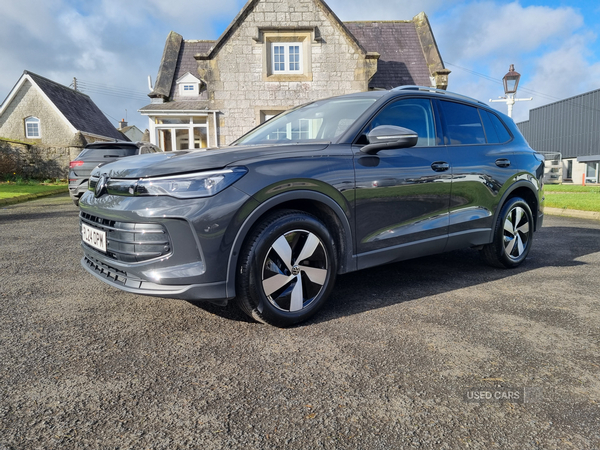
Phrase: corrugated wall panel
(570,126)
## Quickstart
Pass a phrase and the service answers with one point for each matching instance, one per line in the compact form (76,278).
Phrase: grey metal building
(570,127)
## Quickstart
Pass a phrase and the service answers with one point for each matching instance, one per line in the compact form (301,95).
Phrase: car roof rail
(437,91)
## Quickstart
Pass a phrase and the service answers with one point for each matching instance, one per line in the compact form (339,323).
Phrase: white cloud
(103,42)
(484,29)
(349,10)
(563,72)
(550,47)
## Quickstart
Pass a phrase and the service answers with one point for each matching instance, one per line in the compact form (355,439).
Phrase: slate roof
(402,60)
(78,108)
(186,62)
(187,105)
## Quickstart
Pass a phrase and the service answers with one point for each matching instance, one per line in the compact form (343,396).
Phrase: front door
(402,195)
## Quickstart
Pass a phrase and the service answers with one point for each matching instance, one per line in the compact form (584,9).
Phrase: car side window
(490,130)
(463,124)
(416,114)
(501,131)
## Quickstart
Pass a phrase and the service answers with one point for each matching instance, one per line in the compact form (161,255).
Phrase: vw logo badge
(100,186)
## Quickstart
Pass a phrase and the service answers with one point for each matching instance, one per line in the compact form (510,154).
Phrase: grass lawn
(12,189)
(583,198)
(572,188)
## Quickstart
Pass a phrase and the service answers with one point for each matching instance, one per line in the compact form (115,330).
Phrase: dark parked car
(328,188)
(100,153)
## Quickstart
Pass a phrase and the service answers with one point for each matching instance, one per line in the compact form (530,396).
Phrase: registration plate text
(94,237)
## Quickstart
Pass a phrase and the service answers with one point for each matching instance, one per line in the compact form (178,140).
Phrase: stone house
(277,54)
(42,112)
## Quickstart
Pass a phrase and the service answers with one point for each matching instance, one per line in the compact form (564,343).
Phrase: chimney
(122,124)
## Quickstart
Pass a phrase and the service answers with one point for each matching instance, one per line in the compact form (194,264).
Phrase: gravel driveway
(396,359)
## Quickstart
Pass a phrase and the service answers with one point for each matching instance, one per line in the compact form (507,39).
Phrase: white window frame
(188,92)
(33,121)
(286,54)
(190,126)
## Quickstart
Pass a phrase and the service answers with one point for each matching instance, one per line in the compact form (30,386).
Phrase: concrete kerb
(572,213)
(27,197)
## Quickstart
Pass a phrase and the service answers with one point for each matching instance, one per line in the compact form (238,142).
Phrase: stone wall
(30,102)
(238,74)
(35,161)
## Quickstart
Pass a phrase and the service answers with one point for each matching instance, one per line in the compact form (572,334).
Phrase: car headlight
(194,185)
(190,185)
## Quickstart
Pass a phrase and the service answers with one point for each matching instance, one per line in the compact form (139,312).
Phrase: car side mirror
(389,137)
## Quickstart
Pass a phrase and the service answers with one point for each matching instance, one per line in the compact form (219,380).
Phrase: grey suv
(100,153)
(331,187)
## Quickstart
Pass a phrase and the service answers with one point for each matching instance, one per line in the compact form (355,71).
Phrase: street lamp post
(511,83)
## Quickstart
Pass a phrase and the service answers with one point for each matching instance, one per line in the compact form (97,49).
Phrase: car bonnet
(179,162)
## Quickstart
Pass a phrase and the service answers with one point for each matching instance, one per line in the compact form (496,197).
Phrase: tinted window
(490,130)
(501,131)
(415,114)
(109,152)
(463,124)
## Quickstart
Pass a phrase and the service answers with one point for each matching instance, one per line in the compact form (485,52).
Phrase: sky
(112,46)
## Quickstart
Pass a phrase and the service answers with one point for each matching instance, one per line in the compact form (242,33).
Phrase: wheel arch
(321,206)
(527,191)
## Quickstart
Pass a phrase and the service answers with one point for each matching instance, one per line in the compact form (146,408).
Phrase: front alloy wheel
(287,268)
(295,270)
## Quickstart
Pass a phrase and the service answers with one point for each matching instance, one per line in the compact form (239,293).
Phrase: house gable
(240,66)
(280,13)
(62,112)
(27,100)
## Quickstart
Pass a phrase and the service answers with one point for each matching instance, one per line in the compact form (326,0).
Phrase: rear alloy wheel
(287,269)
(512,236)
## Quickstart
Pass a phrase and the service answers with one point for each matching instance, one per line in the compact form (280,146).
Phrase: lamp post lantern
(511,83)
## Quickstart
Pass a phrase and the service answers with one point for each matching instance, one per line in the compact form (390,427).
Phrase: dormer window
(189,85)
(188,89)
(32,128)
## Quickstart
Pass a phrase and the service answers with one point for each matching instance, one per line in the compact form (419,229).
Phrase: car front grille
(129,241)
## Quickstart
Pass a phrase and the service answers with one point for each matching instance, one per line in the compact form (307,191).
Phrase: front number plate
(94,237)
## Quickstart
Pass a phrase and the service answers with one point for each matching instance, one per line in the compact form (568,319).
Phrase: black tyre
(76,201)
(287,268)
(513,235)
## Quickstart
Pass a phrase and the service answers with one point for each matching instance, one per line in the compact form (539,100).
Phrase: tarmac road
(389,363)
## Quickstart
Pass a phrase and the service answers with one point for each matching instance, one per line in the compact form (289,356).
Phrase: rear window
(117,152)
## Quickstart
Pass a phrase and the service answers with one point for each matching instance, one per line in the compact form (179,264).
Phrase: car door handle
(440,166)
(502,162)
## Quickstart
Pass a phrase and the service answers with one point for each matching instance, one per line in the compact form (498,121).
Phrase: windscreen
(323,120)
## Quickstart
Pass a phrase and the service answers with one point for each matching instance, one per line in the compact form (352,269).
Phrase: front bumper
(212,292)
(197,239)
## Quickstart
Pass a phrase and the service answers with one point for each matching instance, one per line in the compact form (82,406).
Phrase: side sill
(469,238)
(402,252)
